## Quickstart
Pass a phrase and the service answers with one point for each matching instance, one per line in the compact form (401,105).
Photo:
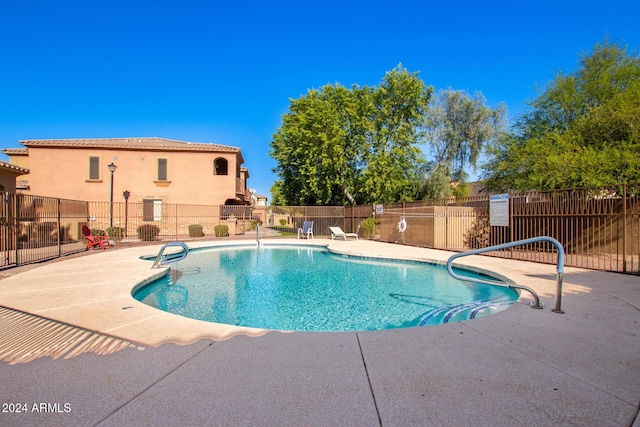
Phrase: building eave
(17,170)
(146,144)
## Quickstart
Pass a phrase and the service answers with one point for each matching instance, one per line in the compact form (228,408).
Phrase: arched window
(220,166)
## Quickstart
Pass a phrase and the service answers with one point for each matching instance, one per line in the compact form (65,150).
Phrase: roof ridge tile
(136,143)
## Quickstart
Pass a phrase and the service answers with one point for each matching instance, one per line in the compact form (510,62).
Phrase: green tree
(318,145)
(581,131)
(357,145)
(276,194)
(437,184)
(458,128)
(394,160)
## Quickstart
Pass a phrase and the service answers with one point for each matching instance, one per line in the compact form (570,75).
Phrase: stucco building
(150,169)
(8,174)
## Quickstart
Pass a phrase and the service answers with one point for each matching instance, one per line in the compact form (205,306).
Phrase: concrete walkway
(77,349)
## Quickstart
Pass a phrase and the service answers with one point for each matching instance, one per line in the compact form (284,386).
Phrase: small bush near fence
(115,233)
(148,232)
(97,232)
(195,230)
(283,222)
(221,230)
(367,227)
(479,235)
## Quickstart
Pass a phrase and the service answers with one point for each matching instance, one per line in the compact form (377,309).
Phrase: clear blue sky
(223,72)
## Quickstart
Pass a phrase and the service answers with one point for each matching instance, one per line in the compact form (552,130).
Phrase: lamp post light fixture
(112,168)
(126,195)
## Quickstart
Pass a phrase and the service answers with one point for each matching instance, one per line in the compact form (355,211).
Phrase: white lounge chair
(337,232)
(307,229)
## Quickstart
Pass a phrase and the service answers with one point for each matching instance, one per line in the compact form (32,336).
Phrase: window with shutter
(162,170)
(94,168)
(152,210)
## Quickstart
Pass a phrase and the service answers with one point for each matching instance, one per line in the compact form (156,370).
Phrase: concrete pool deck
(77,349)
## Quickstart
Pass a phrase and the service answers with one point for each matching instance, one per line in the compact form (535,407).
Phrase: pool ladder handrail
(536,303)
(258,234)
(180,255)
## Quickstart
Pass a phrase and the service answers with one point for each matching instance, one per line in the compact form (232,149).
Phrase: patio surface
(77,349)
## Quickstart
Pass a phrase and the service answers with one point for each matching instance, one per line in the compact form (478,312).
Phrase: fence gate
(35,228)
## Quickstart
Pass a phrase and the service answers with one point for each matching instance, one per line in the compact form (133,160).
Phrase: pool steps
(470,310)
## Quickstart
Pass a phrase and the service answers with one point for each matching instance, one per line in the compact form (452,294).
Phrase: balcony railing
(240,187)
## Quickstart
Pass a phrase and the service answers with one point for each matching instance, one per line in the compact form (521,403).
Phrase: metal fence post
(59,224)
(624,228)
(15,227)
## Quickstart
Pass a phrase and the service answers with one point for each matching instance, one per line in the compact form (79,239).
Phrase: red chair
(93,241)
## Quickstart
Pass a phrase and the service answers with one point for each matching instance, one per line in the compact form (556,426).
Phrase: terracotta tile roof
(13,168)
(15,151)
(130,143)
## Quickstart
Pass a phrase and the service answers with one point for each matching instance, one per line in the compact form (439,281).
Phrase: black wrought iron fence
(286,220)
(598,227)
(34,228)
(156,220)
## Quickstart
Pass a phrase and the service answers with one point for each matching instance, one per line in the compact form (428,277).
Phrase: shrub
(116,233)
(195,230)
(367,227)
(148,232)
(97,232)
(283,222)
(479,235)
(221,230)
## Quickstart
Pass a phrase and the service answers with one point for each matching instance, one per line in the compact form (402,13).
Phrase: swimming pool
(305,288)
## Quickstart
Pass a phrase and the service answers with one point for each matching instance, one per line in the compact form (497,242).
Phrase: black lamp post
(126,195)
(112,168)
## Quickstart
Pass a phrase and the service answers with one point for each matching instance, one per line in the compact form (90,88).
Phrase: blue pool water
(311,289)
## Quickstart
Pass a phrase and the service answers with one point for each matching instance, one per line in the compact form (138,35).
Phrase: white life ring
(402,225)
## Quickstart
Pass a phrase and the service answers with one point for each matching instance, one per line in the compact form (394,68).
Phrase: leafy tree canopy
(581,131)
(459,128)
(357,145)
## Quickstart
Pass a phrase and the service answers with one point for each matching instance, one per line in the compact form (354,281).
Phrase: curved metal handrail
(258,234)
(559,269)
(179,255)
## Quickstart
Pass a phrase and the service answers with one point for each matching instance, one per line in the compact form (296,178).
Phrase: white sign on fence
(499,210)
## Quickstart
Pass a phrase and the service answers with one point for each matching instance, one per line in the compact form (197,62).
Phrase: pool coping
(589,354)
(118,314)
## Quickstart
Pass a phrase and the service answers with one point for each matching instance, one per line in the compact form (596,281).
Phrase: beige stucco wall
(64,173)
(7,181)
(20,160)
(431,226)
